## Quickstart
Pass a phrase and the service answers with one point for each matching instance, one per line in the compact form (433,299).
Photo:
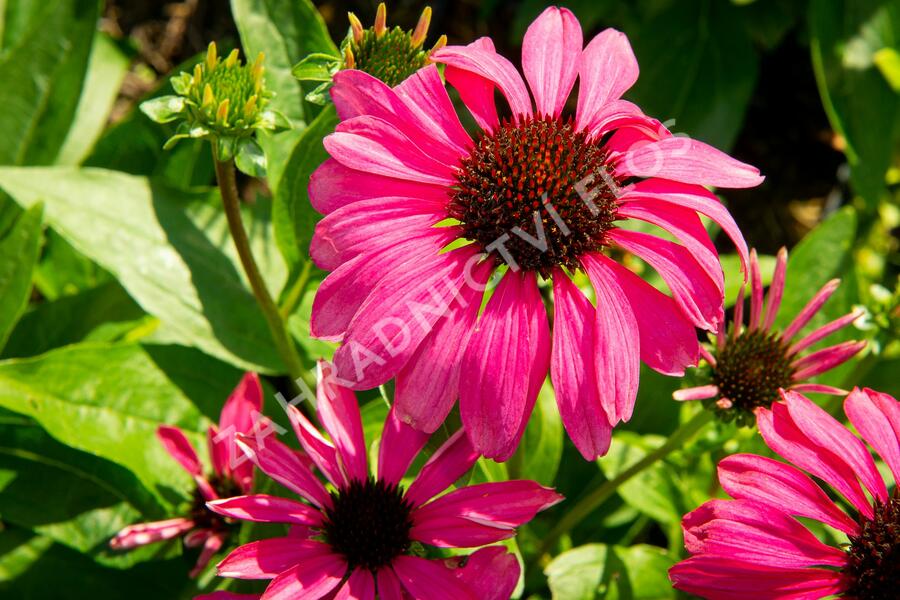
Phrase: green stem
(593,500)
(225,176)
(295,294)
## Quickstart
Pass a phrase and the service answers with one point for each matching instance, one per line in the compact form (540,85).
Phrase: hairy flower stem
(593,500)
(225,175)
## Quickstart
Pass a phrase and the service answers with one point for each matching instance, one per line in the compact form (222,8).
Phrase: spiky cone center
(873,558)
(228,96)
(390,57)
(749,371)
(536,182)
(203,517)
(369,523)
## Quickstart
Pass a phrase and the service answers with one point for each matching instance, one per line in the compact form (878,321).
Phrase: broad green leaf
(43,76)
(845,38)
(107,400)
(540,450)
(653,491)
(166,259)
(106,71)
(19,249)
(292,215)
(698,67)
(63,270)
(600,571)
(92,315)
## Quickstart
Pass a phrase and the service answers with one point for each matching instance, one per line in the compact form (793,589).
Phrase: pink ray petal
(506,504)
(212,545)
(824,331)
(320,451)
(497,395)
(776,289)
(756,292)
(179,448)
(809,311)
(359,586)
(572,369)
(265,559)
(877,418)
(263,508)
(476,92)
(456,532)
(240,414)
(389,587)
(310,580)
(399,445)
(424,578)
(825,359)
(449,463)
(819,389)
(607,69)
(701,392)
(424,92)
(283,465)
(491,573)
(338,412)
(551,50)
(148,533)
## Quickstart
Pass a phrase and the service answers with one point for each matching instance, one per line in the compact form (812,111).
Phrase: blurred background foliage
(122,305)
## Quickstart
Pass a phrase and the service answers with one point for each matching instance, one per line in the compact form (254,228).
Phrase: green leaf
(63,271)
(734,279)
(698,67)
(163,109)
(43,76)
(292,215)
(600,571)
(316,67)
(19,250)
(106,400)
(250,158)
(540,450)
(167,259)
(106,71)
(845,38)
(92,315)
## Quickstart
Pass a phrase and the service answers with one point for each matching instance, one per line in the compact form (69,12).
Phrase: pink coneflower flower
(232,475)
(539,195)
(748,365)
(753,547)
(365,536)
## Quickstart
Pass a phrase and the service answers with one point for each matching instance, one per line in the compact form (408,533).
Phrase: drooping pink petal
(312,579)
(425,94)
(399,314)
(825,359)
(781,486)
(239,415)
(356,93)
(449,463)
(626,120)
(783,436)
(179,448)
(701,392)
(359,586)
(668,341)
(492,67)
(148,533)
(877,418)
(263,508)
(696,198)
(456,532)
(320,451)
(819,389)
(212,545)
(617,346)
(506,504)
(687,160)
(338,411)
(333,185)
(572,369)
(687,228)
(424,578)
(196,537)
(496,397)
(399,445)
(824,331)
(265,559)
(551,50)
(360,227)
(752,532)
(776,289)
(476,92)
(756,292)
(810,310)
(428,385)
(825,431)
(281,464)
(738,320)
(373,145)
(344,290)
(607,69)
(696,294)
(491,573)
(218,450)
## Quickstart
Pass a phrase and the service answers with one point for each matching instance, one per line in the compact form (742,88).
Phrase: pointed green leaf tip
(250,158)
(164,109)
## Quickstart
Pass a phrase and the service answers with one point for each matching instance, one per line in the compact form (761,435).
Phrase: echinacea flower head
(366,533)
(750,364)
(232,474)
(754,546)
(223,100)
(419,216)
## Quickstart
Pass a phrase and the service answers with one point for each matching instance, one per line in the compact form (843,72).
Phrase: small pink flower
(232,475)
(363,537)
(749,365)
(419,216)
(753,547)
